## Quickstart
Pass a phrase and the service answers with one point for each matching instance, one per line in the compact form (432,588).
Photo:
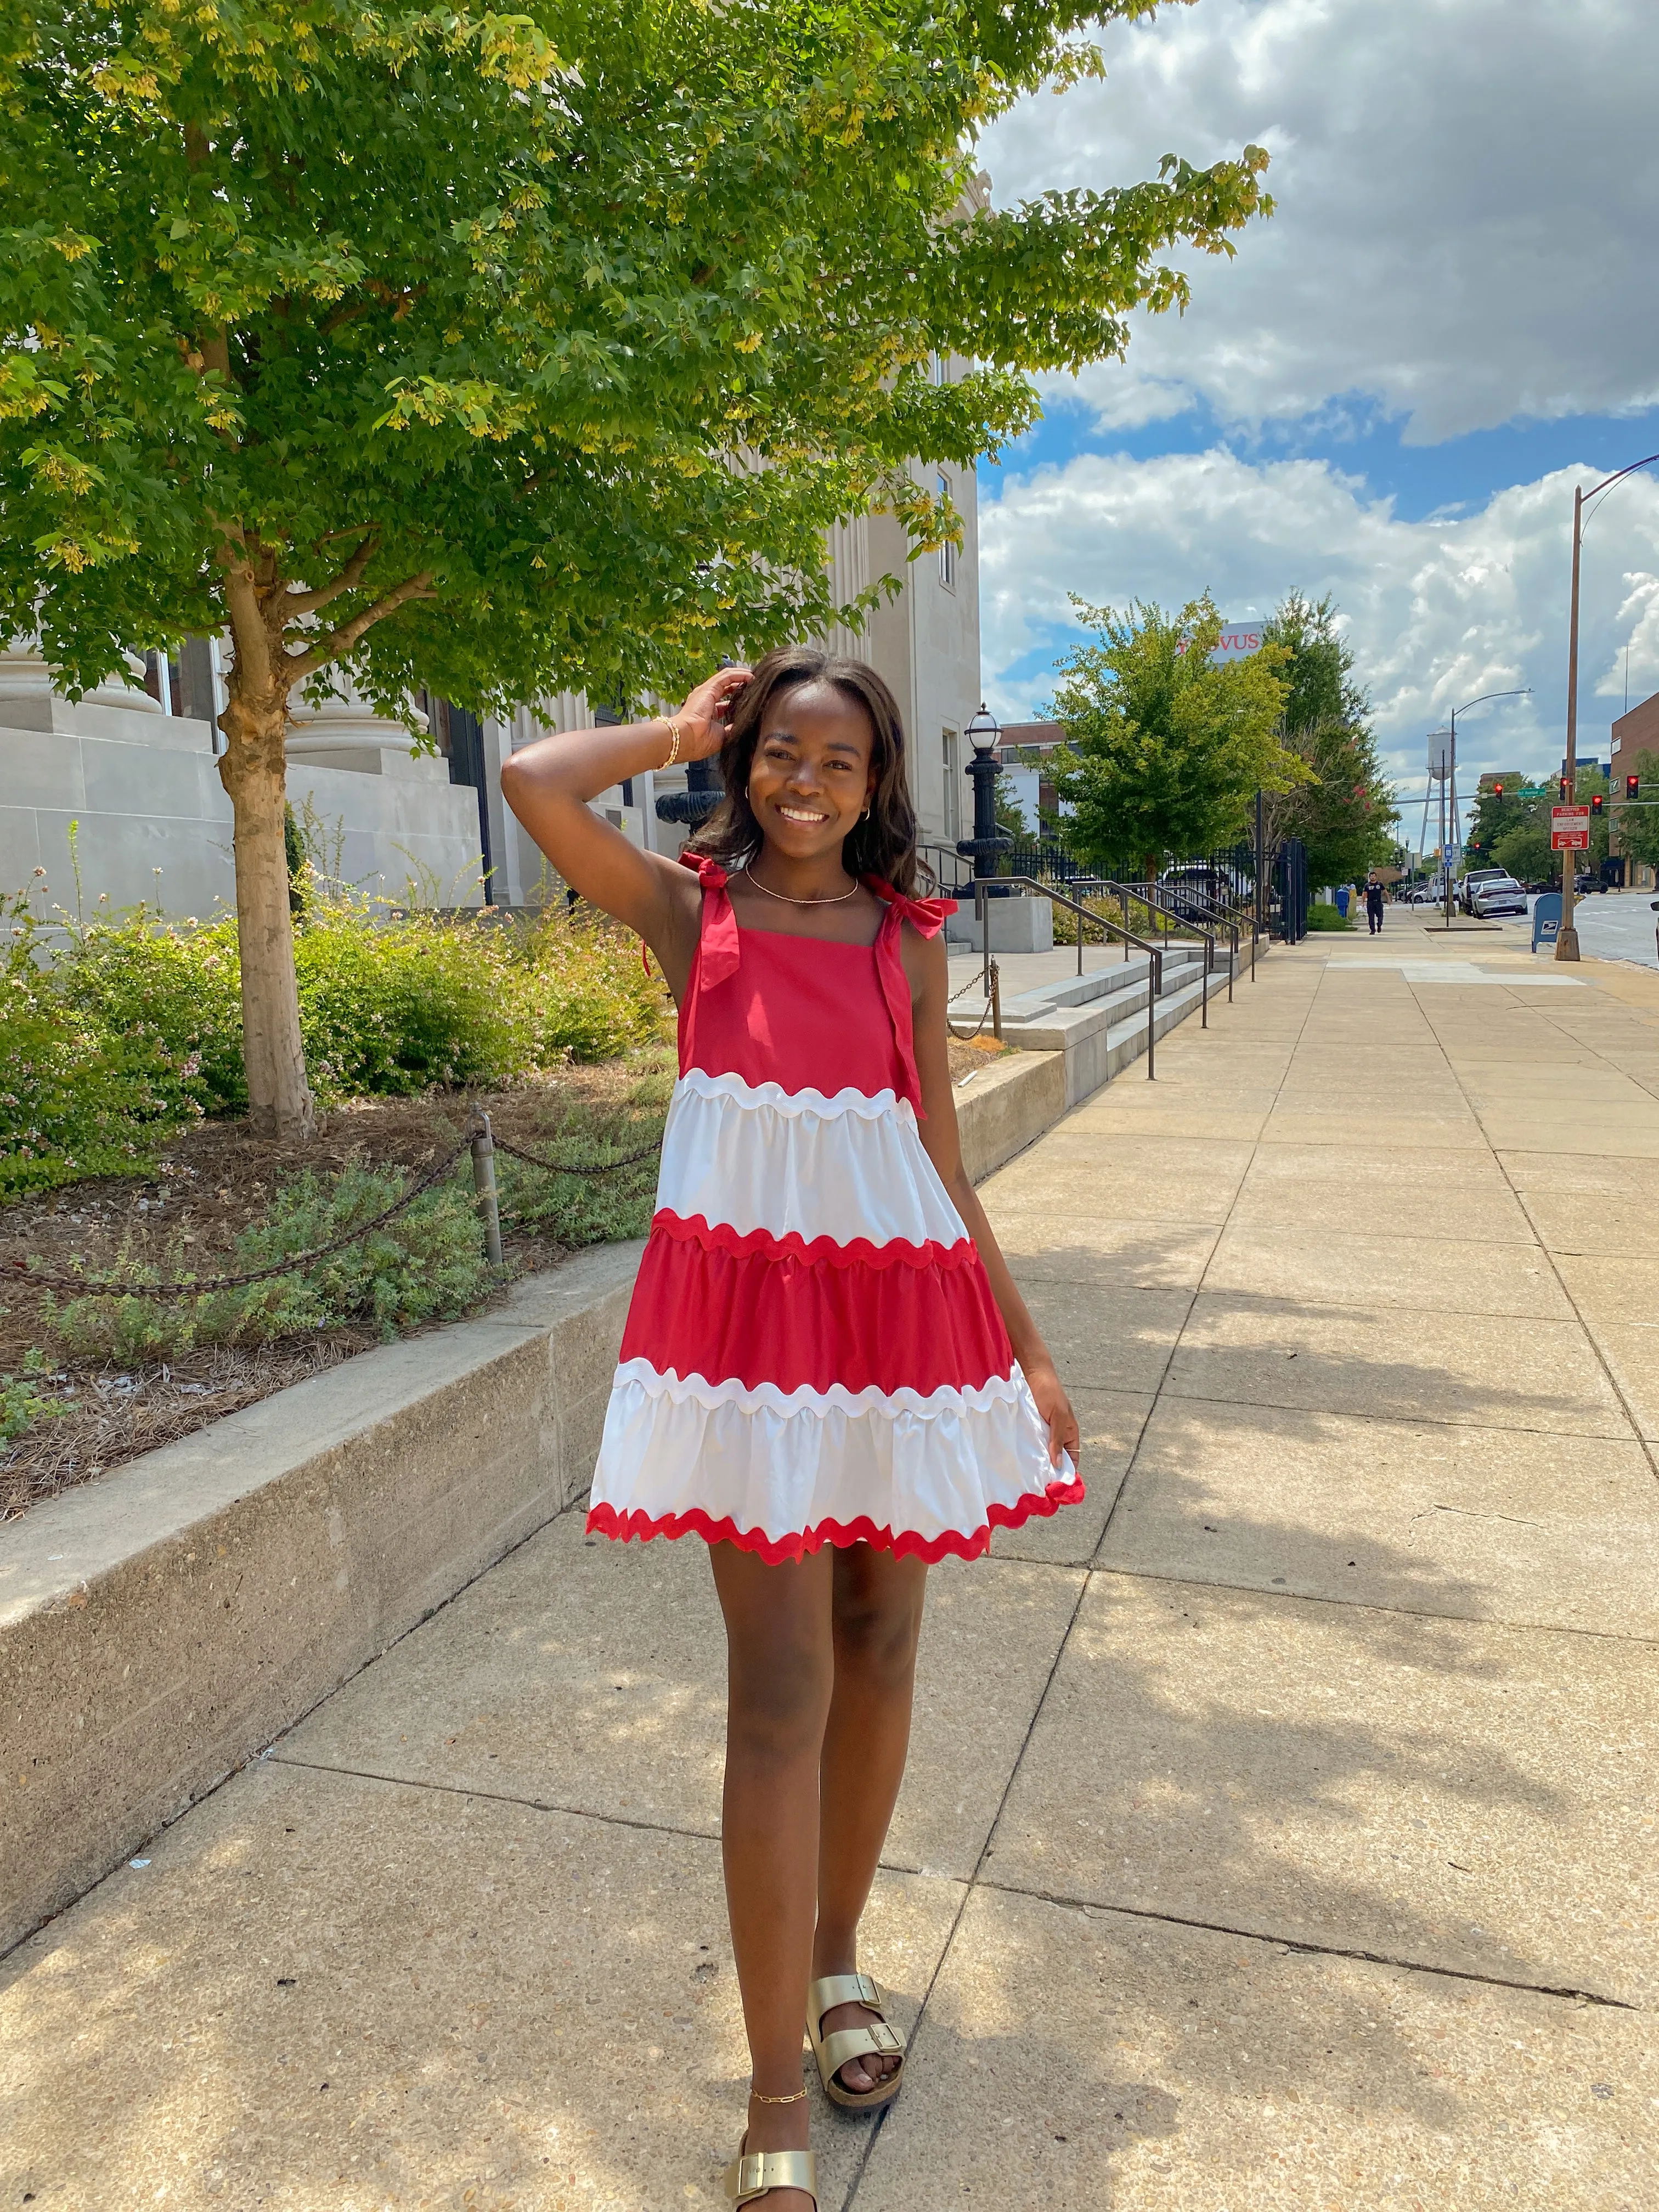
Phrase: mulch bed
(215,1181)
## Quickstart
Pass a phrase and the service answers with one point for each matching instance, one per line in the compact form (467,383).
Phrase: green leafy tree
(1344,812)
(501,352)
(1165,749)
(1524,850)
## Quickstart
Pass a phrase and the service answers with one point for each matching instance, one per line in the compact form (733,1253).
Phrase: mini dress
(812,1354)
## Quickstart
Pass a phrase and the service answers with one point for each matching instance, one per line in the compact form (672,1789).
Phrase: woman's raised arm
(548,785)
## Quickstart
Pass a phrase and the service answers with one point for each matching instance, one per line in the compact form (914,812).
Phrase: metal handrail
(1154,952)
(1151,901)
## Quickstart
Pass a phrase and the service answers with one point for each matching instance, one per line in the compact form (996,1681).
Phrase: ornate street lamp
(984,732)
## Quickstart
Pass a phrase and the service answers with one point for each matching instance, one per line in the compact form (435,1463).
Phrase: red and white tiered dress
(812,1354)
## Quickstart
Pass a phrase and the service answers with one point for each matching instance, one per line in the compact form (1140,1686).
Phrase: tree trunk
(253,768)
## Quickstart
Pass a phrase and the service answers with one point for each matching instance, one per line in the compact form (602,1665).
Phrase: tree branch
(306,603)
(301,665)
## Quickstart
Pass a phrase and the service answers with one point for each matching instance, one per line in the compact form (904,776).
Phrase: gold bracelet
(756,2098)
(674,732)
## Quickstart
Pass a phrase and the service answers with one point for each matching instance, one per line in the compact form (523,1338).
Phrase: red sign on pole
(1570,828)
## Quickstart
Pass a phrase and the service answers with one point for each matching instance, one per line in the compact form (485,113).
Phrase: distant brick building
(1634,734)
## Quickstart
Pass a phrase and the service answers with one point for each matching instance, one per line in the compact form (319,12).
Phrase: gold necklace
(840,899)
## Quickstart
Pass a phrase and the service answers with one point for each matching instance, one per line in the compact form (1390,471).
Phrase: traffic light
(1597,803)
(1498,791)
(1630,785)
(1564,794)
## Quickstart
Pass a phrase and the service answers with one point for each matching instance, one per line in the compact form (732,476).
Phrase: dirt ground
(215,1181)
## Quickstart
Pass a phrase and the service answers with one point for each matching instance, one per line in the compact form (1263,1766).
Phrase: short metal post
(1232,962)
(1154,993)
(1204,1020)
(484,1183)
(996,1002)
(984,906)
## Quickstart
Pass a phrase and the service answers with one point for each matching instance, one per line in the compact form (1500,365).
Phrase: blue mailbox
(1545,918)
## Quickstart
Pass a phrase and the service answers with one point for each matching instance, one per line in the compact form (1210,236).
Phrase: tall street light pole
(1566,942)
(1452,771)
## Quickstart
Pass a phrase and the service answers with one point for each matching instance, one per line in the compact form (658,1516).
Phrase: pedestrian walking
(827,1374)
(1374,904)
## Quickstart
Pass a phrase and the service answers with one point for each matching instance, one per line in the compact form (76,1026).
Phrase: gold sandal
(752,2173)
(871,2039)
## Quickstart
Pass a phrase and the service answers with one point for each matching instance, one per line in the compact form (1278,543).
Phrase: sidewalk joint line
(1191,1302)
(1317,1950)
(1589,1333)
(488,1796)
(1359,1604)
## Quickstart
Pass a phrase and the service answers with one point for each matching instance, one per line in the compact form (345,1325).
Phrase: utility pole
(1566,942)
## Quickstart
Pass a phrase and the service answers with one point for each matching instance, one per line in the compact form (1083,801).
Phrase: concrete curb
(158,1628)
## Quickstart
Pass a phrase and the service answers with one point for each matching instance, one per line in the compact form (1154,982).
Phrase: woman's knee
(779,1697)
(876,1630)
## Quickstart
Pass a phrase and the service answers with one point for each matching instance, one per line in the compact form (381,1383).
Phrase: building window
(952,786)
(947,552)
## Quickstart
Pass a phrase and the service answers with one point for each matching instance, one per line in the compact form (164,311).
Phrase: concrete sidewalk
(1280,1825)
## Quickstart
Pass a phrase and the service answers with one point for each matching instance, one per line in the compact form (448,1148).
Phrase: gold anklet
(756,2098)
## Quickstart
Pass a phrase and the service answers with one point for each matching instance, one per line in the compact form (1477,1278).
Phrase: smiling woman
(827,1373)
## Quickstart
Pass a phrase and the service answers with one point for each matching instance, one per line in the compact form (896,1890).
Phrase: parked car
(1496,895)
(1470,883)
(1430,894)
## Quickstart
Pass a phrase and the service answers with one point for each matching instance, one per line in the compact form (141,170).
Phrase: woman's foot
(870,2068)
(778,2127)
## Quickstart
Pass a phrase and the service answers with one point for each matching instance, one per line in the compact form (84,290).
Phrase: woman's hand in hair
(706,712)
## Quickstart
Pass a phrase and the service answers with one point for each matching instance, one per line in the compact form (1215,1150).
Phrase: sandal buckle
(751,2170)
(886,2042)
(868,1993)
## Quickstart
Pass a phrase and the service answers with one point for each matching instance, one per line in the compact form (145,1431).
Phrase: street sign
(1570,828)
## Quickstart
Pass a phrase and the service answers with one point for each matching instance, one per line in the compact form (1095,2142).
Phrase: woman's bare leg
(878,1602)
(781,1666)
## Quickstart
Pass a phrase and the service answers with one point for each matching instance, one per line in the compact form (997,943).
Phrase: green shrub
(117,1033)
(1322,915)
(21,1404)
(428,1264)
(597,1209)
(81,1094)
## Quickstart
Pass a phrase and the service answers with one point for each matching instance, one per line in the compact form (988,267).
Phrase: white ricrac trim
(926,1472)
(781,1164)
(752,1397)
(867,1105)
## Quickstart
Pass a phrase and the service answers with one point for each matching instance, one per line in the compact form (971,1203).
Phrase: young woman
(827,1373)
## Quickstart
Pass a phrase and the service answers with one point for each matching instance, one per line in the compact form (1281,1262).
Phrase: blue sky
(1392,389)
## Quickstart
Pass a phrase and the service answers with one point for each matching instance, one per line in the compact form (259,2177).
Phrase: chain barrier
(570,1168)
(198,1287)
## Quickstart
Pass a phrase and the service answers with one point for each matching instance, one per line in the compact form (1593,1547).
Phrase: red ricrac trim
(821,1252)
(604,1520)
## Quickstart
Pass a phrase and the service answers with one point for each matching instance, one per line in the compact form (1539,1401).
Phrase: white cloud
(1437,612)
(1469,196)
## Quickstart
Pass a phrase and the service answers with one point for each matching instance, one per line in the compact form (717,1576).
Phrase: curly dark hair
(885,843)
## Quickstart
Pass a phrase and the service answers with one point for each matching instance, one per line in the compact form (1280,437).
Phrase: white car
(1470,885)
(1497,894)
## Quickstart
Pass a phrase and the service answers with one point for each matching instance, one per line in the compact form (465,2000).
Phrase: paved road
(1280,1828)
(1614,926)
